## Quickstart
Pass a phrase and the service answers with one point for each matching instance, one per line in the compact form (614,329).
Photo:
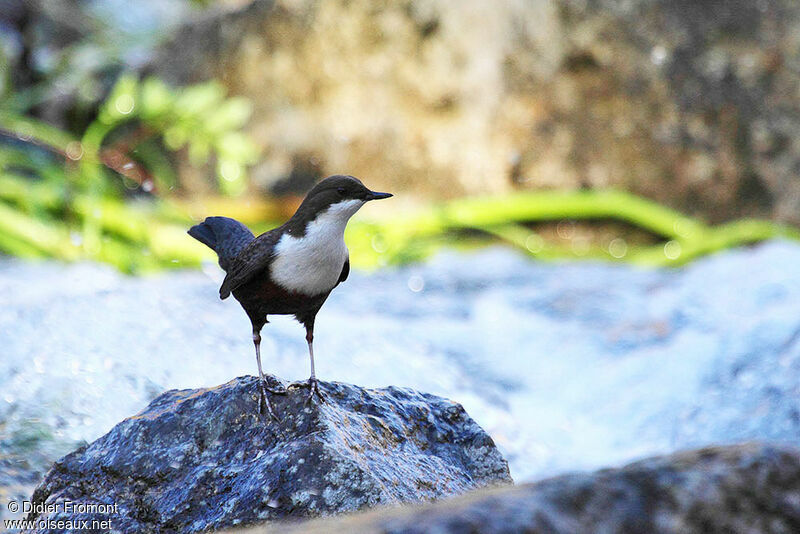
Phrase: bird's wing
(253,259)
(345,271)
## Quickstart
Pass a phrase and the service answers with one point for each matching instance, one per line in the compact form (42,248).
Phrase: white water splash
(567,366)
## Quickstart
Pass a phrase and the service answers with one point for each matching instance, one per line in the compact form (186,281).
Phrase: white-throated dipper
(291,269)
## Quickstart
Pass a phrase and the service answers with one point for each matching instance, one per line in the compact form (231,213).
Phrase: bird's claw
(265,408)
(313,385)
(263,400)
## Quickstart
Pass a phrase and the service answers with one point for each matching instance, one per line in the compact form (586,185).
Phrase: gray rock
(745,488)
(200,459)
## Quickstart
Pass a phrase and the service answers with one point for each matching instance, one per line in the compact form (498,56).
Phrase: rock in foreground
(733,489)
(202,459)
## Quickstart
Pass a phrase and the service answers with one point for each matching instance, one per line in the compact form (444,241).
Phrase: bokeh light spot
(416,283)
(565,229)
(672,250)
(230,171)
(378,244)
(658,55)
(618,248)
(74,150)
(534,243)
(124,104)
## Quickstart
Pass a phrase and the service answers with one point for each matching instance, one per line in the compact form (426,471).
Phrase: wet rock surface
(741,488)
(200,459)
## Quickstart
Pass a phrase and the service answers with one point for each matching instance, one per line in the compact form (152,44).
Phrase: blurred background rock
(693,104)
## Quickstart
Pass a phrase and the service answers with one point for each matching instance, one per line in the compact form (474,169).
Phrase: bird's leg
(263,400)
(312,383)
(262,378)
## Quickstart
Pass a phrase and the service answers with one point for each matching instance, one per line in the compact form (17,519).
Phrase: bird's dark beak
(374,195)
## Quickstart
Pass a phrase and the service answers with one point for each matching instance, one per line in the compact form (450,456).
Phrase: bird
(291,269)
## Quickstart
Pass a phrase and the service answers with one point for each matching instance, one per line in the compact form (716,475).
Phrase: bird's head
(340,188)
(338,197)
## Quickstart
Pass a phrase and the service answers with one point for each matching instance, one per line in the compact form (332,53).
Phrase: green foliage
(198,118)
(65,196)
(681,239)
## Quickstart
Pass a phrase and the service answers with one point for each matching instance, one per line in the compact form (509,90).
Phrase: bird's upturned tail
(225,236)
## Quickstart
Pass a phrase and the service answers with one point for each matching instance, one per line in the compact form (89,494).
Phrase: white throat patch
(312,264)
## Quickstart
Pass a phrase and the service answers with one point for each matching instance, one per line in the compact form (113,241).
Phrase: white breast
(312,264)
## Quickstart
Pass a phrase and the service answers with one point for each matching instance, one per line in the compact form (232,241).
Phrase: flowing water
(568,366)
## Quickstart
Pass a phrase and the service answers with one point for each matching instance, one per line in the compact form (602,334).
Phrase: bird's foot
(262,382)
(313,385)
(264,406)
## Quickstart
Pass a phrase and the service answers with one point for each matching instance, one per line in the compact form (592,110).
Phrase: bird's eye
(340,190)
